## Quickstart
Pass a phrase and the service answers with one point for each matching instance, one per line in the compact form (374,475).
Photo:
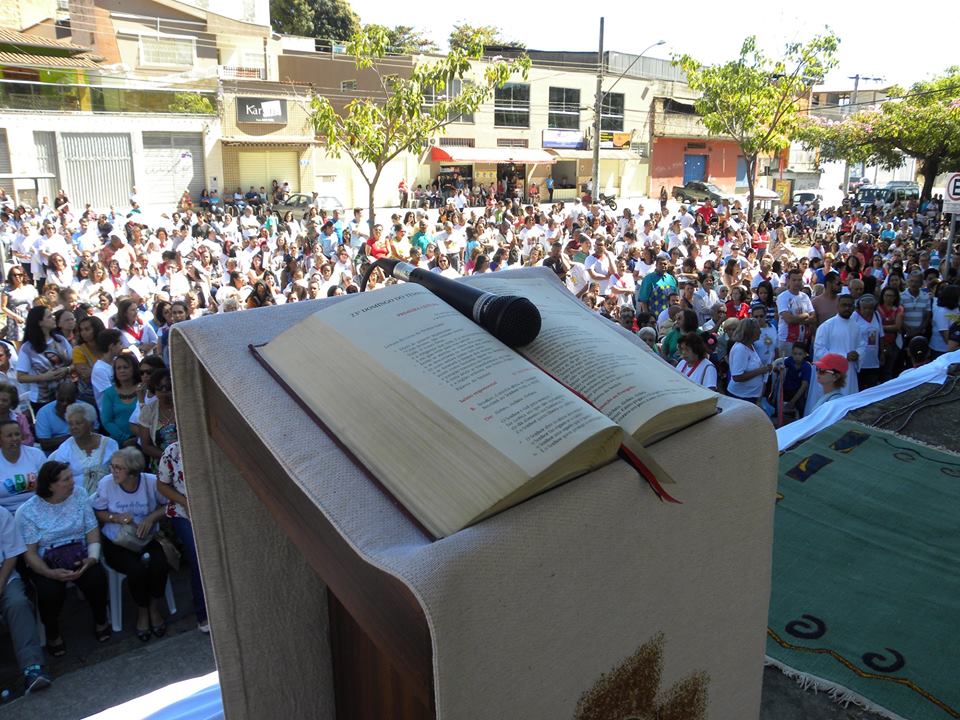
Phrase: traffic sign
(951,203)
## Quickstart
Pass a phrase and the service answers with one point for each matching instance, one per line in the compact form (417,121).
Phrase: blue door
(694,168)
(741,172)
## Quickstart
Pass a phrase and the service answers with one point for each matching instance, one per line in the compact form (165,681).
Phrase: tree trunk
(751,162)
(372,187)
(929,168)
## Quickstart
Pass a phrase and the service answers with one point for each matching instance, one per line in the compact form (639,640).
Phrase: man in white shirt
(530,235)
(797,317)
(600,266)
(686,219)
(841,335)
(249,225)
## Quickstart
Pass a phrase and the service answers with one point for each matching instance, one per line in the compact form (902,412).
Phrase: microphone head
(513,320)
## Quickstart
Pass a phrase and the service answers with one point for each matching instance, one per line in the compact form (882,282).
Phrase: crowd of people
(792,310)
(90,473)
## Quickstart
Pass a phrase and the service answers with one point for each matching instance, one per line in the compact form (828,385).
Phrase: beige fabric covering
(526,609)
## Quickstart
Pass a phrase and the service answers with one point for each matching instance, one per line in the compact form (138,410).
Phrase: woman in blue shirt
(120,399)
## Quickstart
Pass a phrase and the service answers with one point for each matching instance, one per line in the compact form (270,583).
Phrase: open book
(456,425)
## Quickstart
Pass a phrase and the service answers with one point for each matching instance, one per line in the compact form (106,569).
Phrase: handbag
(127,539)
(68,556)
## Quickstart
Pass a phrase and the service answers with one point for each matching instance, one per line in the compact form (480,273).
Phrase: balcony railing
(236,72)
(48,97)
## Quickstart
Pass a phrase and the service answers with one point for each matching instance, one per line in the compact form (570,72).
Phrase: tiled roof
(8,36)
(83,60)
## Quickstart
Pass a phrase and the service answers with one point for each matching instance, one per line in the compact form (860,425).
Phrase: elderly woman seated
(128,504)
(86,452)
(63,546)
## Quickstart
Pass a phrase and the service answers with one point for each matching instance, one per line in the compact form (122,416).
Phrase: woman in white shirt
(695,365)
(91,288)
(746,368)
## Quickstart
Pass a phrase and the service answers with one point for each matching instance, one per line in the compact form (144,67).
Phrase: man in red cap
(832,376)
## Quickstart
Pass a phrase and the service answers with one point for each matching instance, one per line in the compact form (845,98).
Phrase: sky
(877,39)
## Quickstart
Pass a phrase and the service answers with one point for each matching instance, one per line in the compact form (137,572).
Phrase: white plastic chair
(115,584)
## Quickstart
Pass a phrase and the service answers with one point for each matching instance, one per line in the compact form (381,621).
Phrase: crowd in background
(801,305)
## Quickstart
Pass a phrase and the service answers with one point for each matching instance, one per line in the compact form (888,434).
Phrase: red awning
(491,155)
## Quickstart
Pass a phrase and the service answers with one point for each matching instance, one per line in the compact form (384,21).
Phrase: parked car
(902,191)
(870,195)
(698,192)
(299,203)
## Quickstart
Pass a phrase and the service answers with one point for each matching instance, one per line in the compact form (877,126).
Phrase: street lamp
(600,97)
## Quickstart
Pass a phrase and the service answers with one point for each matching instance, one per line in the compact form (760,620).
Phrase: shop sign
(563,139)
(261,110)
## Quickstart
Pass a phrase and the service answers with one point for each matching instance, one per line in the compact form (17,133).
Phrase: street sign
(951,203)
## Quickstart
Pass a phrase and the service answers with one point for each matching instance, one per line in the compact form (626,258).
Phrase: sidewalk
(141,670)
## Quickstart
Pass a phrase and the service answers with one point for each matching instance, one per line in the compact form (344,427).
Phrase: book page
(587,353)
(466,372)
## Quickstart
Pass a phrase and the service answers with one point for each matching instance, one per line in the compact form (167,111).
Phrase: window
(346,85)
(641,148)
(511,106)
(513,142)
(564,113)
(167,50)
(457,142)
(430,97)
(611,112)
(4,153)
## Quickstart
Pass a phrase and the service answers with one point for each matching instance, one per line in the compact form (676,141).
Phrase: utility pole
(853,104)
(597,109)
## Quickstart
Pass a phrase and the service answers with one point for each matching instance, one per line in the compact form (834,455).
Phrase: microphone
(513,320)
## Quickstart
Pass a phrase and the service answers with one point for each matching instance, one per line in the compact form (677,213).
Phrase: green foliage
(463,34)
(406,40)
(756,100)
(334,20)
(292,17)
(192,103)
(922,122)
(373,131)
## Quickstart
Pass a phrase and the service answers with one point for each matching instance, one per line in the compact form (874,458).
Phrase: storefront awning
(605,154)
(491,155)
(272,142)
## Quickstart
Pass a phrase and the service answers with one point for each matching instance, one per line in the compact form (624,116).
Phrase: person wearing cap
(839,335)
(832,371)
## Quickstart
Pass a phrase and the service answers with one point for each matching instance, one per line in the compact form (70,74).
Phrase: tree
(407,40)
(374,131)
(334,20)
(292,17)
(922,122)
(192,103)
(757,100)
(463,34)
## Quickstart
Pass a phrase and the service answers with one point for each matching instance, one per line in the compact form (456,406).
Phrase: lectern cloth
(528,609)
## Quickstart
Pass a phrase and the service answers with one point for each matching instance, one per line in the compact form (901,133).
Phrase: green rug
(866,572)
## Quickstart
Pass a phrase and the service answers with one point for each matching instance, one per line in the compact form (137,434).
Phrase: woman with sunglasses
(17,299)
(832,376)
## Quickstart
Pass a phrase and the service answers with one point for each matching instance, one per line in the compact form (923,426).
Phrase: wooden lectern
(327,602)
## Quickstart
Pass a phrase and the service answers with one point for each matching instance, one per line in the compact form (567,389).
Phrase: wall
(667,163)
(23,160)
(326,71)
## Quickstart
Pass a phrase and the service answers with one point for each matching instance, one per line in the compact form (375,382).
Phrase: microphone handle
(464,298)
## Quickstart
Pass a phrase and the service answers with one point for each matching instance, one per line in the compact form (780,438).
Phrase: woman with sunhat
(832,375)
